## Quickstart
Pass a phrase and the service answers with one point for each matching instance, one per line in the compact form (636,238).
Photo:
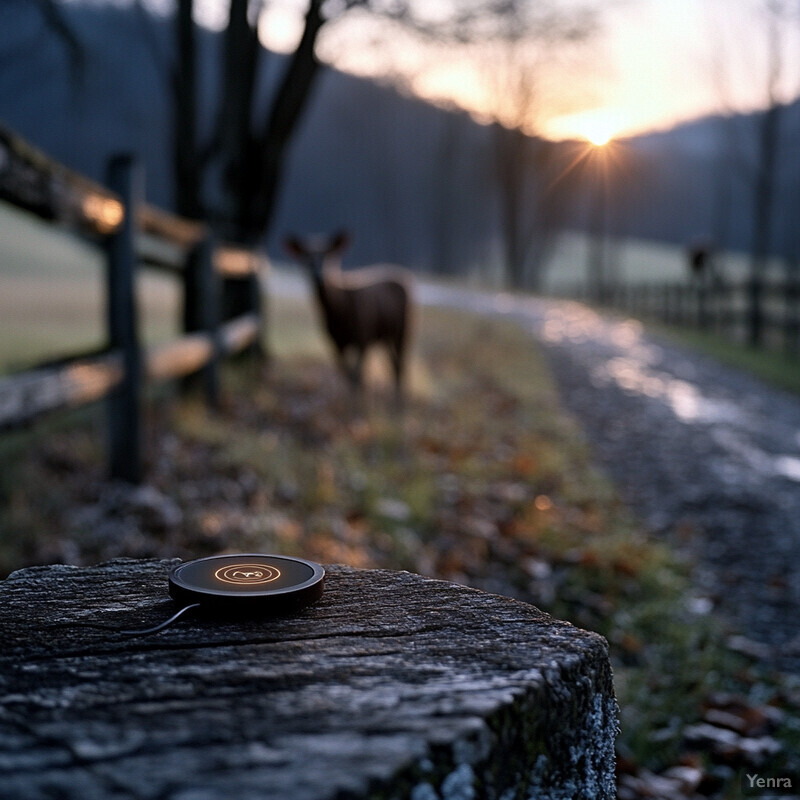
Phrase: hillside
(363,158)
(699,179)
(417,184)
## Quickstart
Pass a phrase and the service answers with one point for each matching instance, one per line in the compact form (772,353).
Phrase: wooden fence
(133,235)
(724,307)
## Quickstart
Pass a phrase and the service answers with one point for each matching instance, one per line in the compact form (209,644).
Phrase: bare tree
(248,145)
(233,175)
(767,143)
(757,159)
(444,214)
(533,186)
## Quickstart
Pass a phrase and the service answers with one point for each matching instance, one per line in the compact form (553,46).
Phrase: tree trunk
(764,192)
(235,120)
(511,160)
(763,199)
(188,200)
(290,101)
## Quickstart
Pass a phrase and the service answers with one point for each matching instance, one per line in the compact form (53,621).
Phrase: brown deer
(360,307)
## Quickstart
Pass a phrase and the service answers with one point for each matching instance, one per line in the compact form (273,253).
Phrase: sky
(674,60)
(653,63)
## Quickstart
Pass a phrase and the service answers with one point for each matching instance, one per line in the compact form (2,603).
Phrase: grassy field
(773,367)
(483,480)
(643,263)
(51,294)
(631,261)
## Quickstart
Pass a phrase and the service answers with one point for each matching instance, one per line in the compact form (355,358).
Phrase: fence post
(124,177)
(242,295)
(702,305)
(725,300)
(201,309)
(791,321)
(755,312)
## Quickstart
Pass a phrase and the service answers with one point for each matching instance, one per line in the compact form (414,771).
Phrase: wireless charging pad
(248,583)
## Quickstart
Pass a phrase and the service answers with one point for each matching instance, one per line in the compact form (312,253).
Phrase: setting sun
(598,126)
(599,138)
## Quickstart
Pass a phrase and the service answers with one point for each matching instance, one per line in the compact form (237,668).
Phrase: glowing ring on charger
(247,574)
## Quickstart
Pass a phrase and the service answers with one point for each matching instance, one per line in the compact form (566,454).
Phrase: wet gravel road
(707,456)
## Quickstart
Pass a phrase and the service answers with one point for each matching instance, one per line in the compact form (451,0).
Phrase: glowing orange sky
(657,62)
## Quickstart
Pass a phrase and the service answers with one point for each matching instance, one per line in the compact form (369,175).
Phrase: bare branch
(53,15)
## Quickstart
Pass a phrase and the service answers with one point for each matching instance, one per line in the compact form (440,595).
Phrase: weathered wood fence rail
(722,306)
(133,234)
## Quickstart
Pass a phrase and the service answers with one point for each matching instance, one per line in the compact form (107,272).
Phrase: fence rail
(721,306)
(26,396)
(133,235)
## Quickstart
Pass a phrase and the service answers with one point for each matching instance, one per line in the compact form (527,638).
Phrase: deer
(360,307)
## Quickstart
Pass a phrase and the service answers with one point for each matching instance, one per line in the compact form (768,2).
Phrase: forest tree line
(416,184)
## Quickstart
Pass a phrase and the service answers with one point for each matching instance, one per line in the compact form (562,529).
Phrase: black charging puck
(250,583)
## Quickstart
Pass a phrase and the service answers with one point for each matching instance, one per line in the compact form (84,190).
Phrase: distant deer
(700,257)
(360,307)
(704,277)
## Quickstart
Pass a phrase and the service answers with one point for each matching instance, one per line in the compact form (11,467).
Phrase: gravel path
(707,456)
